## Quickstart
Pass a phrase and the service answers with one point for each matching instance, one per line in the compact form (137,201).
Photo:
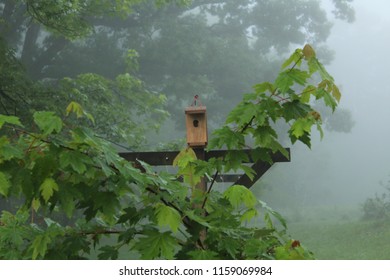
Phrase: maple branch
(185,219)
(296,63)
(248,124)
(209,190)
(101,231)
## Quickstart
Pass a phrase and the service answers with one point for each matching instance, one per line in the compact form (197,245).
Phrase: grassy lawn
(367,240)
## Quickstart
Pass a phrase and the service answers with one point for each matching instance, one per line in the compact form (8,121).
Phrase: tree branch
(210,188)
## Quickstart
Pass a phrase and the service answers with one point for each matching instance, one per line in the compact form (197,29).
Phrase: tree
(66,168)
(47,29)
(228,45)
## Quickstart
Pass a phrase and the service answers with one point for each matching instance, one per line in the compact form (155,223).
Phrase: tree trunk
(30,47)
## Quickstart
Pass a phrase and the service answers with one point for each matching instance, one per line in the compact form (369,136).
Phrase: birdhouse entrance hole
(195,123)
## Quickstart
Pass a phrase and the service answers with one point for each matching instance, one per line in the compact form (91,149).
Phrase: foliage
(69,18)
(288,99)
(75,189)
(137,109)
(244,42)
(378,207)
(57,167)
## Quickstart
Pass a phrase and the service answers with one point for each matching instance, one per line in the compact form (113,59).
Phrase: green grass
(353,240)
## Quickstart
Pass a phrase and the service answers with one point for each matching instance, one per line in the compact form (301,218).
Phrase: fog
(345,168)
(148,67)
(360,66)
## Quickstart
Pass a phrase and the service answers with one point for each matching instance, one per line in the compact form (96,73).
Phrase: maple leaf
(301,126)
(47,188)
(156,245)
(167,216)
(4,184)
(203,255)
(9,119)
(48,122)
(239,194)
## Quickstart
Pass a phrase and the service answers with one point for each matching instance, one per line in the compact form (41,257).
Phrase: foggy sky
(358,161)
(344,169)
(361,67)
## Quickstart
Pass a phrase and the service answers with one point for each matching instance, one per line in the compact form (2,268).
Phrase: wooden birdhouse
(196,124)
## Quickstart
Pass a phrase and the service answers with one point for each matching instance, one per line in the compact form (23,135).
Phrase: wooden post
(196,127)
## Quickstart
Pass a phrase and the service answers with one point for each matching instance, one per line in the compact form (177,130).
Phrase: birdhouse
(196,124)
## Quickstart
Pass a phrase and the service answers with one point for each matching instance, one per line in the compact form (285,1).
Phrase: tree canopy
(216,49)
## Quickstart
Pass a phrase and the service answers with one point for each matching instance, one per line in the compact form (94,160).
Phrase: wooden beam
(167,157)
(260,168)
(224,178)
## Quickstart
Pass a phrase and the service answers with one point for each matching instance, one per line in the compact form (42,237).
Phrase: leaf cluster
(79,190)
(71,18)
(289,99)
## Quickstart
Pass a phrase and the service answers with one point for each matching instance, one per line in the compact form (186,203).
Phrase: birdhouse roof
(195,109)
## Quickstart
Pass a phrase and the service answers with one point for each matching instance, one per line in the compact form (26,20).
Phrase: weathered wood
(201,154)
(223,178)
(167,157)
(260,168)
(196,125)
(152,158)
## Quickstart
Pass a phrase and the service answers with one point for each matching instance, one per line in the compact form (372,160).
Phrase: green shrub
(377,208)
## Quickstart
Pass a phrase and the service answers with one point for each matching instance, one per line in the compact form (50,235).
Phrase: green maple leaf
(234,160)
(48,122)
(203,255)
(248,215)
(75,160)
(283,82)
(39,246)
(264,136)
(264,87)
(167,216)
(307,92)
(295,58)
(301,126)
(329,100)
(4,184)
(254,248)
(286,79)
(108,252)
(67,203)
(295,109)
(239,194)
(185,161)
(47,188)
(9,119)
(76,108)
(231,245)
(248,171)
(185,157)
(298,76)
(156,245)
(9,151)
